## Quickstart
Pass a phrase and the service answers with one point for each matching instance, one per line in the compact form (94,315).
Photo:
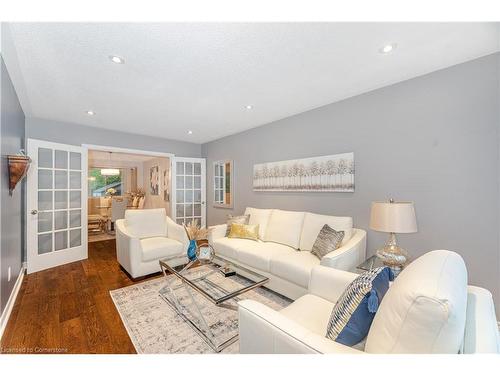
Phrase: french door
(188,185)
(56,219)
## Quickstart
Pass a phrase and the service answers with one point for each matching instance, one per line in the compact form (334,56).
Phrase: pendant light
(110,171)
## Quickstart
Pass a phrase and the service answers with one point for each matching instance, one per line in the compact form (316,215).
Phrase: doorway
(121,180)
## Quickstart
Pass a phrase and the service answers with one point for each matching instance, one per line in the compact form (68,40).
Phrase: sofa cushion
(259,216)
(424,309)
(260,256)
(295,267)
(311,312)
(313,224)
(228,247)
(155,248)
(284,227)
(146,223)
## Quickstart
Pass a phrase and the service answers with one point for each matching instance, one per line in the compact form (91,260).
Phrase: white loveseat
(428,309)
(283,252)
(146,236)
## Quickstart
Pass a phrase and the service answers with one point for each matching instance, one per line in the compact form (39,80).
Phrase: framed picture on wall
(154,180)
(330,173)
(165,186)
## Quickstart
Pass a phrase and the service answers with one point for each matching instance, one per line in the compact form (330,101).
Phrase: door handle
(34,212)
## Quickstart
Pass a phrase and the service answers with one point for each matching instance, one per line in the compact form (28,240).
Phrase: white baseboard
(12,300)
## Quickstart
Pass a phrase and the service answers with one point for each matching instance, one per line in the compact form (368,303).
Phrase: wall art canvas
(154,180)
(165,187)
(332,173)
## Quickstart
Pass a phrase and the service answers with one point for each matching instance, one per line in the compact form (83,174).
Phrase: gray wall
(433,140)
(76,134)
(12,140)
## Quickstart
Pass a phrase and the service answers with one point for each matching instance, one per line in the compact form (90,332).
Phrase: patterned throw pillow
(243,219)
(246,231)
(353,313)
(328,240)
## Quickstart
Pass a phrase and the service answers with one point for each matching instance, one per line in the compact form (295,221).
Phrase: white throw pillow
(146,223)
(313,224)
(259,216)
(285,227)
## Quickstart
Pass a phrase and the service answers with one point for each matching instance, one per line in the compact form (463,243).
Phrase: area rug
(155,327)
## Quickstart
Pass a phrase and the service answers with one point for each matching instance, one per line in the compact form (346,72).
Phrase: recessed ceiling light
(387,48)
(90,113)
(190,132)
(117,59)
(249,106)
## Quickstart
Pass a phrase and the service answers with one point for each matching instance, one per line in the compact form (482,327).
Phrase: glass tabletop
(209,279)
(374,262)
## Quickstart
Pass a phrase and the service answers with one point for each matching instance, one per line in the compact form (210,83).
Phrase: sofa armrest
(128,248)
(348,256)
(329,283)
(481,330)
(216,232)
(177,232)
(266,331)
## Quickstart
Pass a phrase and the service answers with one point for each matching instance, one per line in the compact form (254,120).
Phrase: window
(223,184)
(99,184)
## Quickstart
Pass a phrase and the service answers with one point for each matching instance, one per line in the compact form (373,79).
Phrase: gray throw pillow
(327,241)
(242,219)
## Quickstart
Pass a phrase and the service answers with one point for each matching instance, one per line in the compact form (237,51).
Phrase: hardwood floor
(68,309)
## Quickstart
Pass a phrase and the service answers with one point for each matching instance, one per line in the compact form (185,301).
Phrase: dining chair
(140,205)
(118,207)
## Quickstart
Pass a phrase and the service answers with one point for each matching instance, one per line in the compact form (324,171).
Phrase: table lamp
(393,217)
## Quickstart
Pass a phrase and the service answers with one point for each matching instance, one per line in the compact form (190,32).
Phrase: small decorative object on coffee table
(393,217)
(194,233)
(205,253)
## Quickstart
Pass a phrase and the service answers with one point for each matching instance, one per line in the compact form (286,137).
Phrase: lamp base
(392,255)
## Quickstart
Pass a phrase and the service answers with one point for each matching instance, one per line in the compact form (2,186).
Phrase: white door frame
(203,187)
(168,155)
(36,262)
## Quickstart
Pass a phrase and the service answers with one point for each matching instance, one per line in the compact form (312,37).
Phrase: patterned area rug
(155,327)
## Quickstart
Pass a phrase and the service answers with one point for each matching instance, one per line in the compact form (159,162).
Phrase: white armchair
(146,236)
(428,309)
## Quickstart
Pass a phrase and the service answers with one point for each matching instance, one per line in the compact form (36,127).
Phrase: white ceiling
(200,76)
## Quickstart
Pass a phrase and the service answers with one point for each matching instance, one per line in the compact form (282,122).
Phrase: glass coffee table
(192,279)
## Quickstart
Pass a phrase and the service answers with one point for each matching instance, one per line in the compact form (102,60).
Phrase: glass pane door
(189,190)
(56,204)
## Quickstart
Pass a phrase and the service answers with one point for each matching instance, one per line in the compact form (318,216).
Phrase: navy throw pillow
(353,313)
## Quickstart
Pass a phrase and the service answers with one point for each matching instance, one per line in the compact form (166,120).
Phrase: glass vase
(191,250)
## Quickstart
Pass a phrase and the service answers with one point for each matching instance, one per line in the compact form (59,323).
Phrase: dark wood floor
(68,309)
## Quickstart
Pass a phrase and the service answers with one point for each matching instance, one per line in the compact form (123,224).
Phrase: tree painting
(332,173)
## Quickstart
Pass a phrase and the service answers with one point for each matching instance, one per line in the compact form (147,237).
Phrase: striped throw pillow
(353,313)
(327,241)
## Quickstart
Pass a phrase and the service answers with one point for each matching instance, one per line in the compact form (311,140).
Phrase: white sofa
(428,309)
(283,252)
(144,237)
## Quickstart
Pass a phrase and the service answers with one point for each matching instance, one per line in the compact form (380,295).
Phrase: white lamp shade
(395,217)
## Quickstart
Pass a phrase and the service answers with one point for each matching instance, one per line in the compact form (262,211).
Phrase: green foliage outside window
(97,182)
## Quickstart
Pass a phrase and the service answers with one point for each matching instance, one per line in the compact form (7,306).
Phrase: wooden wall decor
(18,168)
